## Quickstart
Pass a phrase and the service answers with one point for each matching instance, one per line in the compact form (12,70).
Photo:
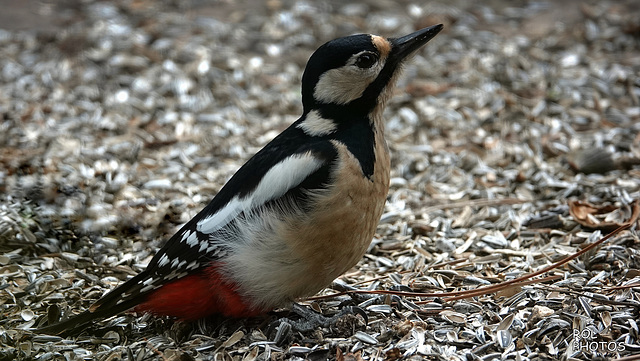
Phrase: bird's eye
(366,60)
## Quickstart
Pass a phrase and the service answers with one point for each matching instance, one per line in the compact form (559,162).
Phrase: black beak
(401,48)
(408,44)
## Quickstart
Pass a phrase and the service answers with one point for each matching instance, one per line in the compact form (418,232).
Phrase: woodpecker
(296,215)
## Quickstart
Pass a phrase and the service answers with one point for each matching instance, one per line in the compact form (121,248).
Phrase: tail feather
(74,324)
(192,297)
(109,305)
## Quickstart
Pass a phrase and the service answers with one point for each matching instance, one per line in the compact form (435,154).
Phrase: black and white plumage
(297,214)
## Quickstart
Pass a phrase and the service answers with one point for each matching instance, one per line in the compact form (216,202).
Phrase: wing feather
(289,166)
(278,180)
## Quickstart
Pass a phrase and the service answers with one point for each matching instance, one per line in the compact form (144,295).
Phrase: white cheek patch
(316,126)
(281,178)
(339,86)
(345,84)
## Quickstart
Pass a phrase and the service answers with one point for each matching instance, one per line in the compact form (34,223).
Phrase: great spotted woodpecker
(298,214)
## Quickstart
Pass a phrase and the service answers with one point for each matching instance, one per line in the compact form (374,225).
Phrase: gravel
(514,137)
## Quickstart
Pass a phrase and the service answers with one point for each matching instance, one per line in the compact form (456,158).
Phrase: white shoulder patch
(284,176)
(281,178)
(316,126)
(219,219)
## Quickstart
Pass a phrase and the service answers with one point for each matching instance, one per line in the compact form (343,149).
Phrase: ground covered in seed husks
(515,137)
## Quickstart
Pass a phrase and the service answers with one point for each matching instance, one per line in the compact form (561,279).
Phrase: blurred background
(120,120)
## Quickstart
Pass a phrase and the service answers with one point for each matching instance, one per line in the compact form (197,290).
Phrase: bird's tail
(187,298)
(117,300)
(74,324)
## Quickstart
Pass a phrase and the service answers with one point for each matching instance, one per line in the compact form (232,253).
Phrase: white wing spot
(203,246)
(163,260)
(192,240)
(174,263)
(147,288)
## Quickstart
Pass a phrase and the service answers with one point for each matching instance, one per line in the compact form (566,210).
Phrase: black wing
(190,249)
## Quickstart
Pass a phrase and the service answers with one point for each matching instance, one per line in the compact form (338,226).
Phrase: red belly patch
(198,296)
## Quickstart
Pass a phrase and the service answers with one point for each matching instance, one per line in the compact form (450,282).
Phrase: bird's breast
(297,255)
(340,228)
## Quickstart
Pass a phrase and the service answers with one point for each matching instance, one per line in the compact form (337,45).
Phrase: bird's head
(357,72)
